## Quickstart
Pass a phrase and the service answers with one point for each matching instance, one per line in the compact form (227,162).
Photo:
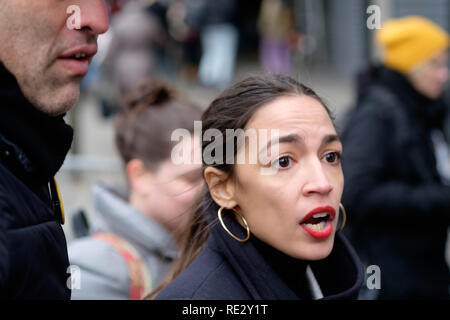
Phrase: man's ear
(221,187)
(138,176)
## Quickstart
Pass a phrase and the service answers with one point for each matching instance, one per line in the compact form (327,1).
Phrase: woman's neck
(139,203)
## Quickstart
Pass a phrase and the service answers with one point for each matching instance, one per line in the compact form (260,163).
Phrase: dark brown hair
(146,121)
(231,110)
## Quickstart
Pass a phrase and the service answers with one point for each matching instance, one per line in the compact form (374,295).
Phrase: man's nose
(94,16)
(317,181)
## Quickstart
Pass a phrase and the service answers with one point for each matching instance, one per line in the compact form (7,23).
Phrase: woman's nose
(317,181)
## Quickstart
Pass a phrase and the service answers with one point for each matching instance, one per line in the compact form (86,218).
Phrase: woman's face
(431,78)
(169,192)
(307,180)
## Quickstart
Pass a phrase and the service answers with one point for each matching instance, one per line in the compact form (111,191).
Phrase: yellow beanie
(410,41)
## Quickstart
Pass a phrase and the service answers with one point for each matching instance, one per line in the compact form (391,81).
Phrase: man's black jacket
(398,207)
(33,250)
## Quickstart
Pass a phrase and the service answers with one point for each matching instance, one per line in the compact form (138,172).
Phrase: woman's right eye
(282,162)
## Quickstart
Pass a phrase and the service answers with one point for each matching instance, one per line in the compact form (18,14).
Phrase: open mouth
(77,60)
(79,56)
(318,222)
(82,52)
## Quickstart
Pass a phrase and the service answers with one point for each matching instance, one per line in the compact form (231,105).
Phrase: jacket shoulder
(380,101)
(376,114)
(209,277)
(103,271)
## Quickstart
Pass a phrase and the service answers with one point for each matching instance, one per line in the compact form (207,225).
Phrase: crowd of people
(221,229)
(196,40)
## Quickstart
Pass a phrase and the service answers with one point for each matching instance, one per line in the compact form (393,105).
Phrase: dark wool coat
(33,251)
(398,206)
(229,270)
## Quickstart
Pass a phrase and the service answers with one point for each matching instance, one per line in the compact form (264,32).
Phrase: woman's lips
(318,222)
(323,233)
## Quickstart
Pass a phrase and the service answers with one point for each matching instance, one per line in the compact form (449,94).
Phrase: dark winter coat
(229,270)
(33,252)
(398,206)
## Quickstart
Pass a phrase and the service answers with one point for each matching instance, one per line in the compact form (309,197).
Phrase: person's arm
(103,272)
(369,191)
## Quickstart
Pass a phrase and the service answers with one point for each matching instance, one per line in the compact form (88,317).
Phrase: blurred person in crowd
(136,37)
(273,235)
(42,63)
(188,35)
(219,39)
(396,162)
(135,234)
(275,24)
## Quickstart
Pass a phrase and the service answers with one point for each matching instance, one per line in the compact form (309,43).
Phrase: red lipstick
(318,222)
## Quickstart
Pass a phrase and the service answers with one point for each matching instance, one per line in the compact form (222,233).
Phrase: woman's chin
(315,252)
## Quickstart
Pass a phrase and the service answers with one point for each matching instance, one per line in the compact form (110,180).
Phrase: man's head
(38,47)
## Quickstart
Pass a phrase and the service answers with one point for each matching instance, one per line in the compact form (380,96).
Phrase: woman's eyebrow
(329,138)
(295,138)
(291,138)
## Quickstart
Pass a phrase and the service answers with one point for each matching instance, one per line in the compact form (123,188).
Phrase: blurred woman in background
(135,235)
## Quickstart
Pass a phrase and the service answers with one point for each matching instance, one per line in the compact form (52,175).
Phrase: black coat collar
(429,113)
(340,275)
(32,142)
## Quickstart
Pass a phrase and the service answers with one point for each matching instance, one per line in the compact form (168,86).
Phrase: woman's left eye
(283,162)
(333,157)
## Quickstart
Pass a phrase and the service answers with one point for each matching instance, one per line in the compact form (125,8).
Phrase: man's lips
(77,59)
(88,50)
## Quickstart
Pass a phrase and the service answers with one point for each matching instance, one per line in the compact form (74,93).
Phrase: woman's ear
(221,187)
(138,176)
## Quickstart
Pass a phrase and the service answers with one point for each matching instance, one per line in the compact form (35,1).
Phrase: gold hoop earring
(219,214)
(344,217)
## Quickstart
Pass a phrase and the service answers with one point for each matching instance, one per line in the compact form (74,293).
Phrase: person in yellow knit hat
(416,47)
(396,164)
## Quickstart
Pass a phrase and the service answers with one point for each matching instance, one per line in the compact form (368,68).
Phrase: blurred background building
(325,42)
